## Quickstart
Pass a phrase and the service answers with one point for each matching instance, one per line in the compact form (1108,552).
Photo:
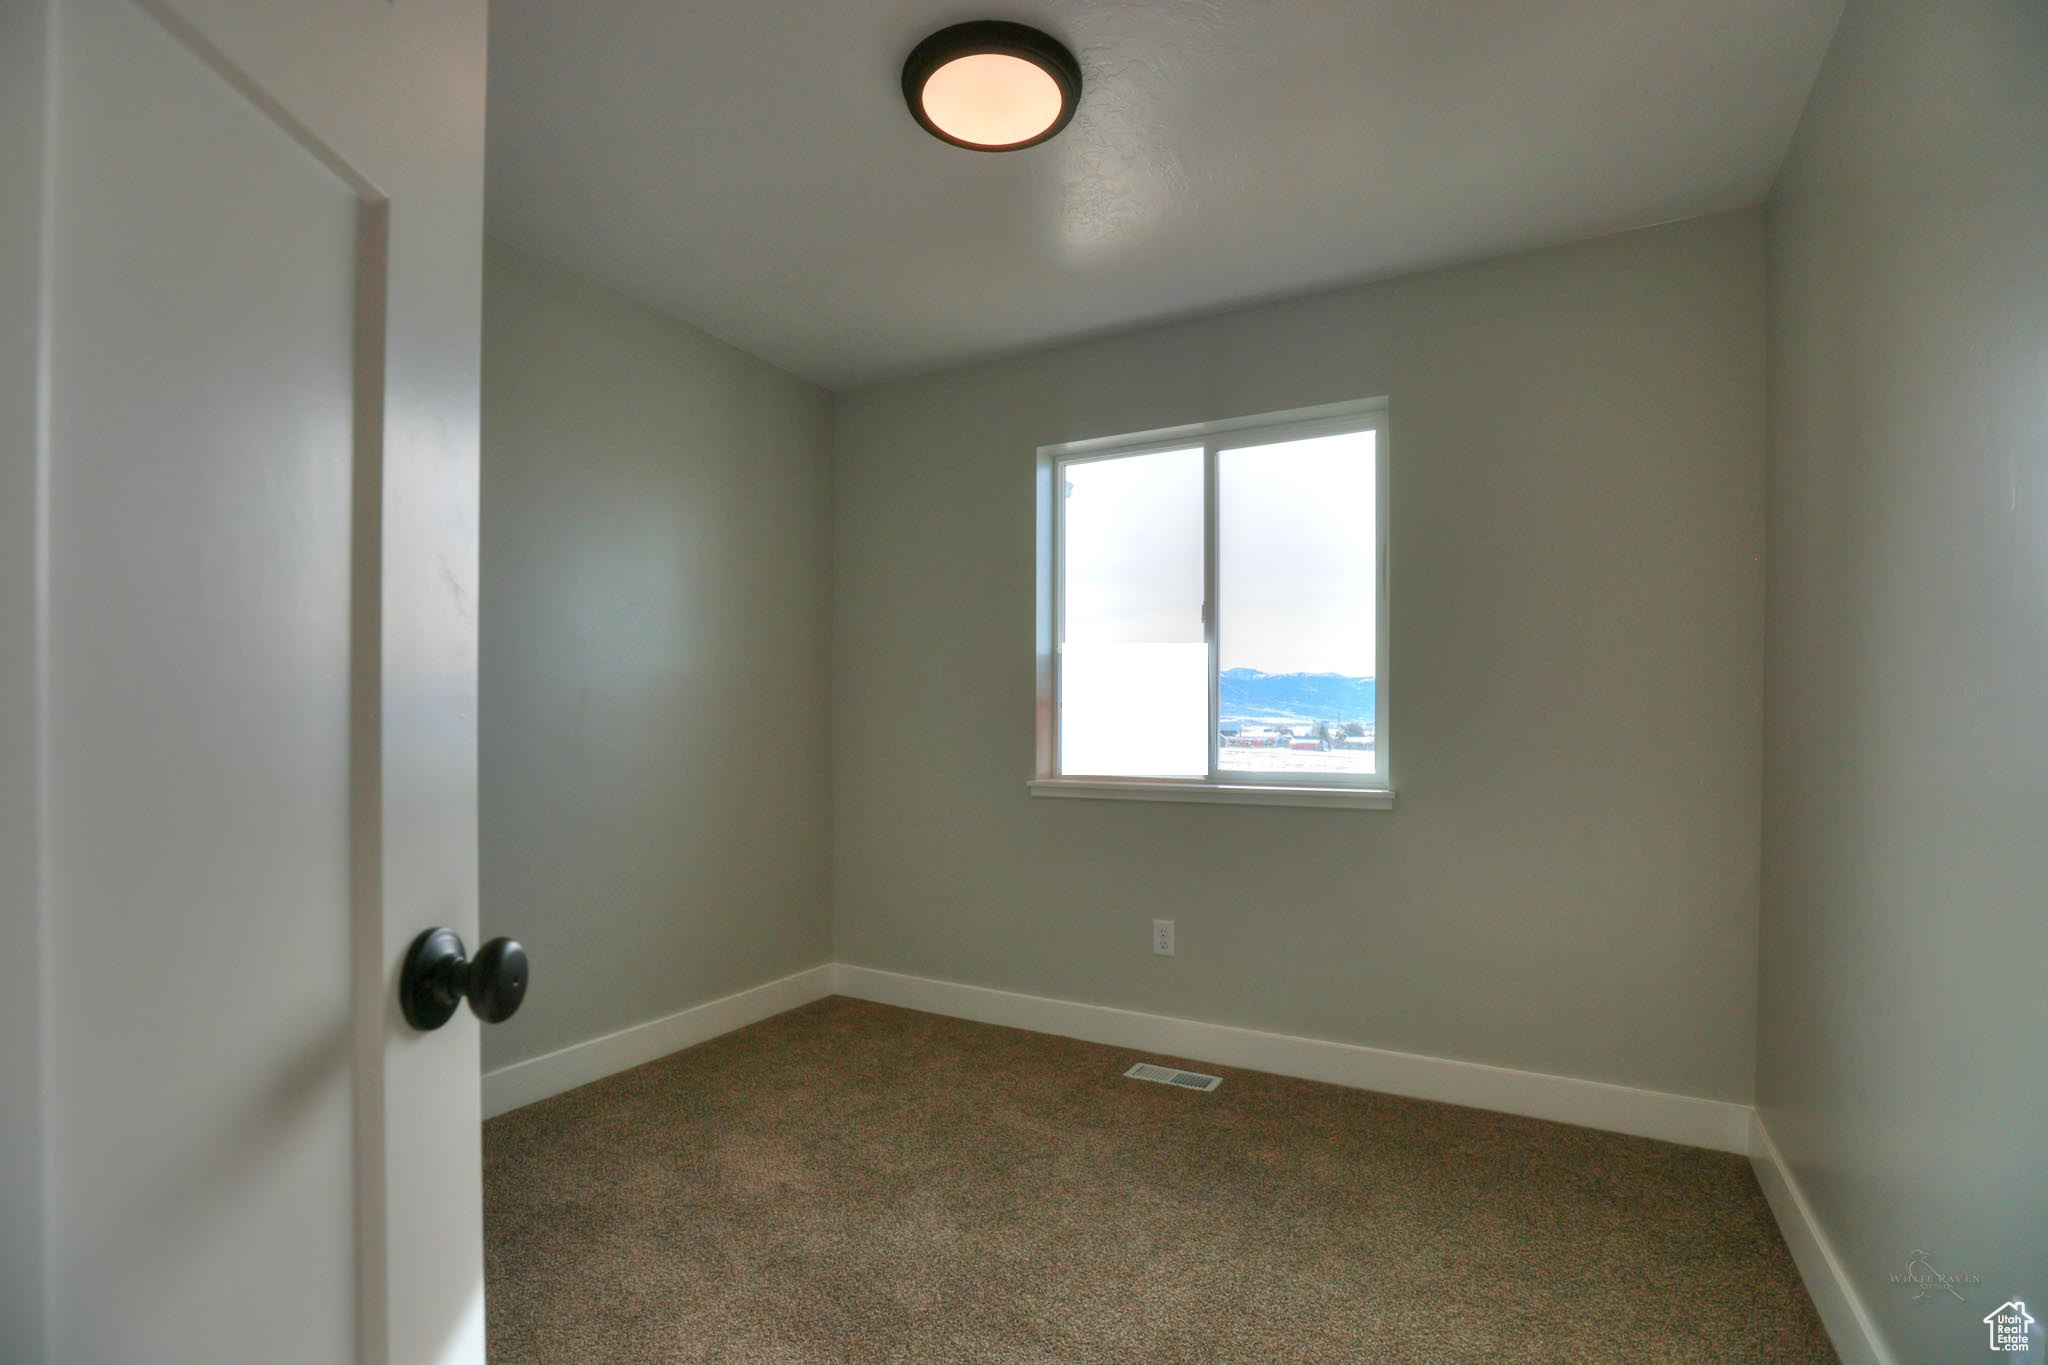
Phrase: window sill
(1212,793)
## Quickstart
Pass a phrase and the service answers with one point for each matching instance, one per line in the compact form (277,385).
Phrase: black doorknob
(438,976)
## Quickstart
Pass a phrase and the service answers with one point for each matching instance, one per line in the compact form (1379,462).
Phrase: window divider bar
(1212,605)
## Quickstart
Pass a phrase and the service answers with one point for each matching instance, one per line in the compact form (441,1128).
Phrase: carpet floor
(851,1182)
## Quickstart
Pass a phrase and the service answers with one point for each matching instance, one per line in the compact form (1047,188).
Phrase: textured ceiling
(749,166)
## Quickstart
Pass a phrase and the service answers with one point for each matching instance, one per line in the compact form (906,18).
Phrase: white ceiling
(749,166)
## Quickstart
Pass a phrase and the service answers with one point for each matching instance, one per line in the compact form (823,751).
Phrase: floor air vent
(1166,1075)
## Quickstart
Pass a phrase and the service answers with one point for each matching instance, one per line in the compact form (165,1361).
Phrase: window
(1212,615)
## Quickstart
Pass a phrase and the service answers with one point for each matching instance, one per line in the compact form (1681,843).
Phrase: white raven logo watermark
(1929,1282)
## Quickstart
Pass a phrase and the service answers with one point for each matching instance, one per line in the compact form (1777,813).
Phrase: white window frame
(1373,791)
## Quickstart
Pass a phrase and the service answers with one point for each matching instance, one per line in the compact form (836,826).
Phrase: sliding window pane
(1134,660)
(1297,575)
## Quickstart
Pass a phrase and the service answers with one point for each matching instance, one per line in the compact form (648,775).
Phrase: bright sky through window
(1135,666)
(1297,556)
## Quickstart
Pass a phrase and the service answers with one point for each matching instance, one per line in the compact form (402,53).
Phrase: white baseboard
(1717,1124)
(522,1083)
(1849,1324)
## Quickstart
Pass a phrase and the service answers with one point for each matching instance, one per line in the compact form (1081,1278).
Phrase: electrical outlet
(1162,937)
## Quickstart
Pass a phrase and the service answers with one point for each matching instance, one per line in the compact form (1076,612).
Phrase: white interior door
(254,682)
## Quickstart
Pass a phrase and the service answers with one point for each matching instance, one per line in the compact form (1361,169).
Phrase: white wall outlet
(1162,937)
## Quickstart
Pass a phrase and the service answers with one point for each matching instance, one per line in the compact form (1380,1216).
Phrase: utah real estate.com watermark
(2009,1327)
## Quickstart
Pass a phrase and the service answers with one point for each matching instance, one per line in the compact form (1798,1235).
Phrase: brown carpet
(850,1182)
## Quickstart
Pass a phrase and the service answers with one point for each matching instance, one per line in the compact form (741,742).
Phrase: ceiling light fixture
(991,86)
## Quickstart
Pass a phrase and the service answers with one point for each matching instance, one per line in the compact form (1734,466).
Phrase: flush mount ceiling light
(991,86)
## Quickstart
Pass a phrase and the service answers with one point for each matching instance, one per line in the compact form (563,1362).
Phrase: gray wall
(655,627)
(1903,1045)
(24,1172)
(1569,881)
